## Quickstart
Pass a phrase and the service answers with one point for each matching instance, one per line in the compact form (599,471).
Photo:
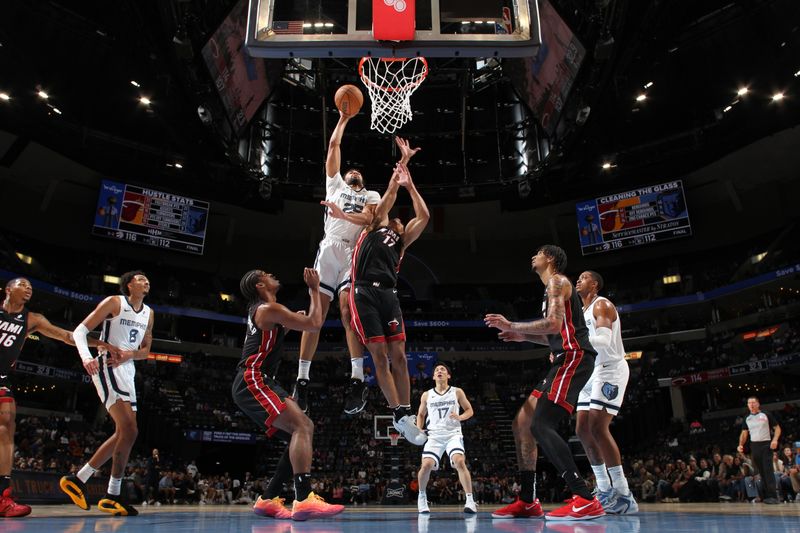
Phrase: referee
(757,425)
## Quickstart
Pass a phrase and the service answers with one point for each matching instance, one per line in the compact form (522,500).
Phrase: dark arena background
(656,142)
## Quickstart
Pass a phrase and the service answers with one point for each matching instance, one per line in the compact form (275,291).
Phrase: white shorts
(436,445)
(333,264)
(114,384)
(605,388)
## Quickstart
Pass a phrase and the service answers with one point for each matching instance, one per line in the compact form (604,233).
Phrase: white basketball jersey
(126,330)
(616,350)
(440,406)
(349,201)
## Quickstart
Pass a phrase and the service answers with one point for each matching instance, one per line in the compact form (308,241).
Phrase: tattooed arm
(559,291)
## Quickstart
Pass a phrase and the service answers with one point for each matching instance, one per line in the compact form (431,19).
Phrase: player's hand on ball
(511,336)
(334,210)
(311,277)
(497,321)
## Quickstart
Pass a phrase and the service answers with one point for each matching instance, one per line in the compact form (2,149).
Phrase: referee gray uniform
(759,426)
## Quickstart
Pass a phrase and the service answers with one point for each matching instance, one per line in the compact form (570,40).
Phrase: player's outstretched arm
(406,152)
(334,161)
(388,199)
(558,292)
(416,225)
(272,313)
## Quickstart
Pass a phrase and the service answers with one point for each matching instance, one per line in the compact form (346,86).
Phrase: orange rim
(413,84)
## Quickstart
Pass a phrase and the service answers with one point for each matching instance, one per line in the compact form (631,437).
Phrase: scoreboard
(147,216)
(648,214)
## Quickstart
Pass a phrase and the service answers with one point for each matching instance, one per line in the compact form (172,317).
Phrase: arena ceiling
(696,55)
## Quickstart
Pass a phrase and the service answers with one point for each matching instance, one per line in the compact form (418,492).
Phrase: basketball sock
(85,473)
(600,474)
(527,491)
(283,474)
(618,479)
(303,367)
(114,485)
(302,486)
(400,411)
(5,482)
(357,368)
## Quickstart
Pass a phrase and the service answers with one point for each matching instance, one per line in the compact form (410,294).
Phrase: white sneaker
(408,428)
(470,508)
(422,504)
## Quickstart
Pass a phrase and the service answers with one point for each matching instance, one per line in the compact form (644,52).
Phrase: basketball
(348,100)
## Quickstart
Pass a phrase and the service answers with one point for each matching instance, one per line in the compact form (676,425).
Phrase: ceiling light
(797,74)
(307,24)
(777,97)
(24,258)
(178,165)
(606,165)
(57,111)
(135,83)
(742,91)
(728,108)
(112,280)
(319,24)
(5,96)
(465,22)
(669,280)
(144,100)
(641,98)
(648,84)
(43,95)
(329,24)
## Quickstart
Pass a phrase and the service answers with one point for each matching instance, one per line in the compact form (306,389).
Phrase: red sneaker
(273,508)
(314,507)
(577,509)
(11,509)
(520,509)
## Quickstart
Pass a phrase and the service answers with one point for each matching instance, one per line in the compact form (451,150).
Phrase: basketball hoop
(390,82)
(394,438)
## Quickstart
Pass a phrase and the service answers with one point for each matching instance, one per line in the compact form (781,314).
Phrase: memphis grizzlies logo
(610,391)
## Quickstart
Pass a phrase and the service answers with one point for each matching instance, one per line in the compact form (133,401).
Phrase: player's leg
(309,340)
(126,431)
(402,381)
(429,464)
(356,397)
(460,464)
(383,374)
(8,416)
(527,506)
(584,431)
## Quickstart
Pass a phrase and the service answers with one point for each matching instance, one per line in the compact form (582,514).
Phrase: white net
(390,83)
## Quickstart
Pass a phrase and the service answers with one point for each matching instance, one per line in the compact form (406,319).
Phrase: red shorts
(570,372)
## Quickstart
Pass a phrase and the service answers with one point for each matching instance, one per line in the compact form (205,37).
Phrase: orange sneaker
(577,508)
(11,509)
(273,508)
(520,509)
(314,507)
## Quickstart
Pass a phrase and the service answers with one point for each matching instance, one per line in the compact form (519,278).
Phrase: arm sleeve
(79,335)
(601,338)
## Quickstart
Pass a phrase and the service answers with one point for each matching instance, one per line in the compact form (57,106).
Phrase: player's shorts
(570,372)
(259,397)
(114,384)
(376,314)
(6,392)
(606,387)
(436,445)
(333,261)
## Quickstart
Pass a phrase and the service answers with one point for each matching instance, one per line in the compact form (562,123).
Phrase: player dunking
(375,308)
(127,324)
(333,263)
(259,396)
(601,397)
(16,323)
(438,411)
(564,330)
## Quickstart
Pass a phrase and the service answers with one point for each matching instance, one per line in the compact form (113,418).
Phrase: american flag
(287,27)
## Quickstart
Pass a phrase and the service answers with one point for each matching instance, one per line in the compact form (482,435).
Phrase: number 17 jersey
(440,407)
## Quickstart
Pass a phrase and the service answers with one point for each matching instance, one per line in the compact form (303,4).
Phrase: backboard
(343,28)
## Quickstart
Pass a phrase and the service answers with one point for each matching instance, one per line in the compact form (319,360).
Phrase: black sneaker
(76,490)
(300,394)
(356,398)
(115,506)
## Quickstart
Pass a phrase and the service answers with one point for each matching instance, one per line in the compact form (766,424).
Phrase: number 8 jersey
(126,330)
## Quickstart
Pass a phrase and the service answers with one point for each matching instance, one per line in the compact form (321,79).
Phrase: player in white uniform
(439,411)
(128,325)
(333,262)
(601,398)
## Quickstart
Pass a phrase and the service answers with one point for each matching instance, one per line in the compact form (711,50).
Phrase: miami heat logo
(399,5)
(393,325)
